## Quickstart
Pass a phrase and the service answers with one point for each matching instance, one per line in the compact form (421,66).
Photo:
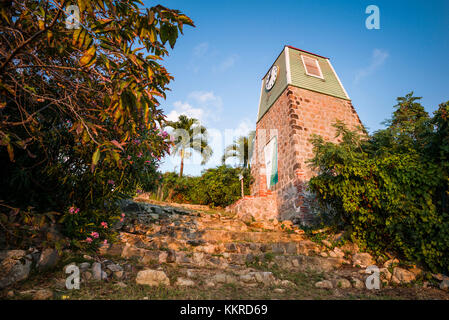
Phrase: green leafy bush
(215,187)
(390,190)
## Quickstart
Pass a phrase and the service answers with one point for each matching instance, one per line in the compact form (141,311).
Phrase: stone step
(218,234)
(225,259)
(232,236)
(302,247)
(154,224)
(170,227)
(230,244)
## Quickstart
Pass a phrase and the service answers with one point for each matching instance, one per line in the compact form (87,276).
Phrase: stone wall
(294,117)
(261,207)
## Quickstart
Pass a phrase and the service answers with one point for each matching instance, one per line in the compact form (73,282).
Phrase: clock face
(271,78)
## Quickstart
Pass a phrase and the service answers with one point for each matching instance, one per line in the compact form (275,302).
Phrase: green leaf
(89,57)
(173,35)
(164,33)
(95,158)
(152,34)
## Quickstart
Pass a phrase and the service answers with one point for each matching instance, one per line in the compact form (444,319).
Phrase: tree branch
(32,38)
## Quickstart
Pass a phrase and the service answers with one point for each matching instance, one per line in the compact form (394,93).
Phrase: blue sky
(218,65)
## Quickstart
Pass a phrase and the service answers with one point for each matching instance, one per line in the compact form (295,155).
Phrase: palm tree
(190,135)
(241,148)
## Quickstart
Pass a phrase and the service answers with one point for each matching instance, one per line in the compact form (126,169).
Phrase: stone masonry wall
(294,117)
(261,208)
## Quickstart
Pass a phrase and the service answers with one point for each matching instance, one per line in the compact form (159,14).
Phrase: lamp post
(241,184)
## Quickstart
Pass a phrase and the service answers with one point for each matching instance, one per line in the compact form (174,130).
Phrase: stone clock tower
(300,95)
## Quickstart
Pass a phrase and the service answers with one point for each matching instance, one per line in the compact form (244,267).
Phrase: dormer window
(312,67)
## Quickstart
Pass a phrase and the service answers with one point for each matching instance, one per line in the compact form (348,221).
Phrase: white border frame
(317,64)
(287,65)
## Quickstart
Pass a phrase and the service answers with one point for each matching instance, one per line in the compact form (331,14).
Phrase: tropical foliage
(241,149)
(79,116)
(218,187)
(390,190)
(189,136)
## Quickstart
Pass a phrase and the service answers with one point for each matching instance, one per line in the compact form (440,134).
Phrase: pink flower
(95,235)
(129,157)
(105,241)
(123,215)
(148,162)
(73,210)
(110,181)
(88,239)
(139,155)
(104,225)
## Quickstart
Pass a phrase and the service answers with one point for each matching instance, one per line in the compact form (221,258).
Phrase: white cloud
(201,105)
(377,60)
(199,53)
(202,54)
(185,109)
(244,127)
(201,49)
(206,98)
(226,63)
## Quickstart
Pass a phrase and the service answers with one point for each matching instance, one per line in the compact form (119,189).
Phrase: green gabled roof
(292,72)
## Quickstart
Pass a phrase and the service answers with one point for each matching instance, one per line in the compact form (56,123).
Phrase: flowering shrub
(94,194)
(79,114)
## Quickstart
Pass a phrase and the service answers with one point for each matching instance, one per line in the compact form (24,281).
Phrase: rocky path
(181,251)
